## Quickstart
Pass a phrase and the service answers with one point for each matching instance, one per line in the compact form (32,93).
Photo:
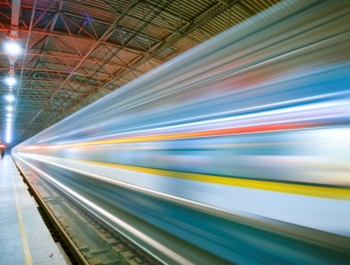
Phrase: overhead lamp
(9,108)
(10,97)
(10,80)
(12,48)
(9,115)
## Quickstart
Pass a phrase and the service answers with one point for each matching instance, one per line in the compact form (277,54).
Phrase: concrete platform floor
(24,237)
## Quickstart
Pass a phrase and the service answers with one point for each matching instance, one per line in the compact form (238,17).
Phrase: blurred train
(254,122)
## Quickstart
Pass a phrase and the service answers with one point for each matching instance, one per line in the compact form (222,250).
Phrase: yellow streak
(136,139)
(293,188)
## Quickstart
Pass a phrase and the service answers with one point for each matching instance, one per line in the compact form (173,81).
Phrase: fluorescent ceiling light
(12,48)
(9,108)
(9,115)
(10,97)
(10,80)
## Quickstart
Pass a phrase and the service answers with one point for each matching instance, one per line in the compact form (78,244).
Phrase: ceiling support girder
(16,7)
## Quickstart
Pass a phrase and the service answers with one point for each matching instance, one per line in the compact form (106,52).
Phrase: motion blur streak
(235,152)
(116,220)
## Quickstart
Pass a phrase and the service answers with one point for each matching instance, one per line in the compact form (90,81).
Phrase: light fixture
(9,115)
(8,119)
(10,80)
(10,97)
(12,48)
(9,108)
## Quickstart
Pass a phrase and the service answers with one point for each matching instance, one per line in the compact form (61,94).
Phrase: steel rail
(41,202)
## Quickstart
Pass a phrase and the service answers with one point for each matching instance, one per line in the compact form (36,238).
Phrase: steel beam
(16,6)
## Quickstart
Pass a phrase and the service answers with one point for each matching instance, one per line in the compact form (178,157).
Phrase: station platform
(24,237)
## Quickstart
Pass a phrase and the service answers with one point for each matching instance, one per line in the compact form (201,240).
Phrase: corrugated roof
(79,51)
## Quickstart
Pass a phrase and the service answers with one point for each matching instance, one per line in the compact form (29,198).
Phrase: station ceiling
(75,52)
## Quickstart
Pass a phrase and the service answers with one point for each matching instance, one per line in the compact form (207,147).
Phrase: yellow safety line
(25,244)
(293,188)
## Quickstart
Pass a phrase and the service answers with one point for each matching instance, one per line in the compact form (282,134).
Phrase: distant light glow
(10,80)
(8,119)
(9,115)
(10,97)
(8,136)
(9,108)
(12,48)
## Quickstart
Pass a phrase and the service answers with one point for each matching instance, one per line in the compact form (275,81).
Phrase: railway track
(84,237)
